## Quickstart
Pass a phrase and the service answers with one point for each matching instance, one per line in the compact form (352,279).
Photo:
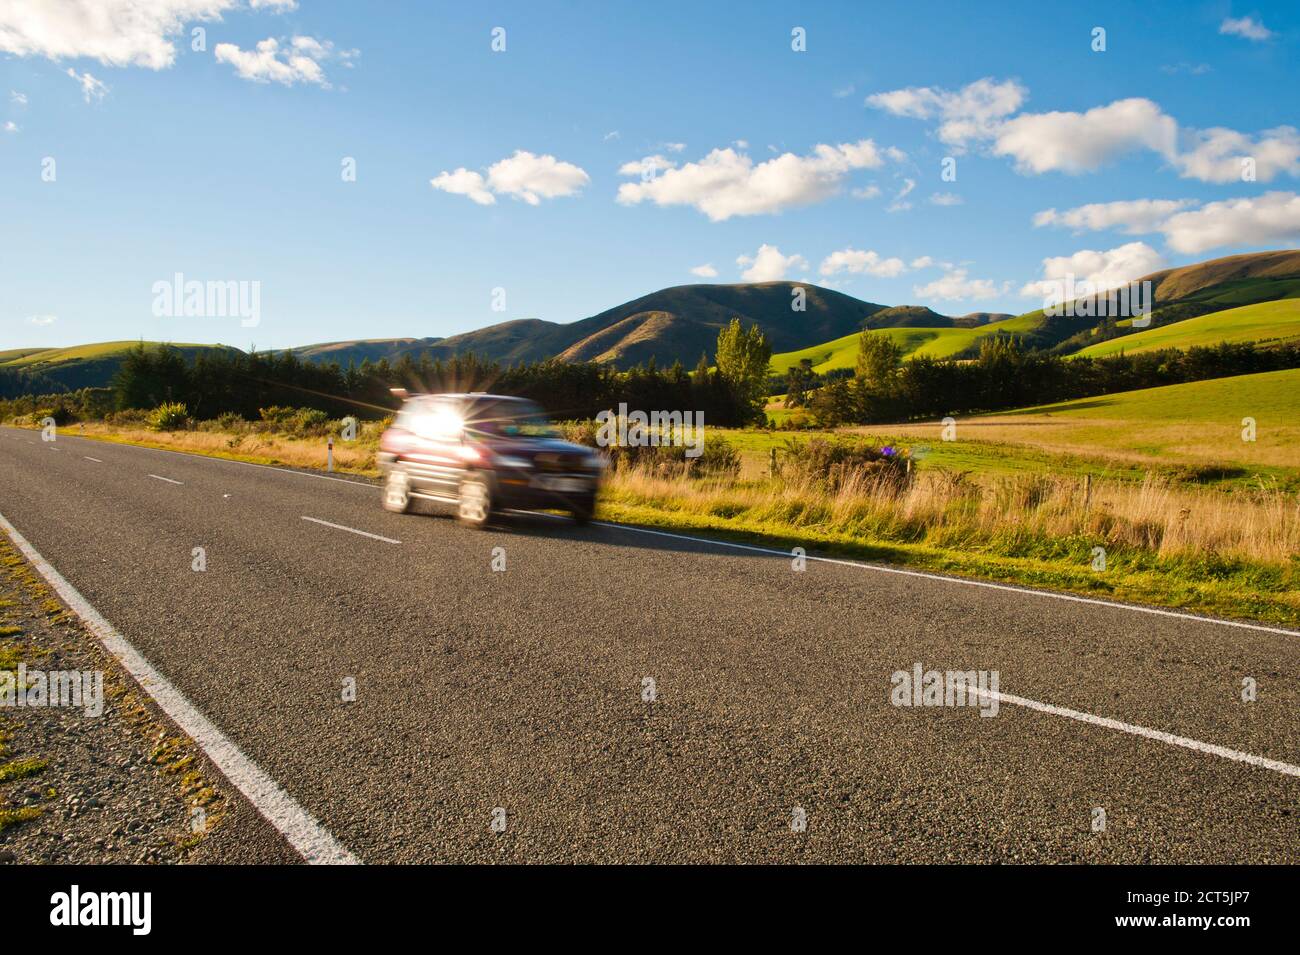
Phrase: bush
(171,416)
(833,464)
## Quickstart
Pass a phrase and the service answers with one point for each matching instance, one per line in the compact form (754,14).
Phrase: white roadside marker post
(329,455)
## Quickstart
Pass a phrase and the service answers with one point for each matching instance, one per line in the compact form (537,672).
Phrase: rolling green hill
(1261,322)
(1198,304)
(82,366)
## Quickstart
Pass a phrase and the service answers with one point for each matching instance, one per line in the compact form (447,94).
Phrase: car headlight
(507,461)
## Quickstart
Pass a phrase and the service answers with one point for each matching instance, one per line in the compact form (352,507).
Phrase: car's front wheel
(583,509)
(474,507)
(397,492)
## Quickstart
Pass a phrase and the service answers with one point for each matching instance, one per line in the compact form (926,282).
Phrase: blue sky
(221,164)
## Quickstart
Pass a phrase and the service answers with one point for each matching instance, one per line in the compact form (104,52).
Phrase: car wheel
(397,492)
(582,509)
(475,504)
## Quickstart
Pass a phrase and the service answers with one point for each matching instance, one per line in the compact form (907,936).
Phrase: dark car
(483,453)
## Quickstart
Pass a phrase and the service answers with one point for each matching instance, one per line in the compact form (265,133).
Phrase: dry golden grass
(356,457)
(1007,515)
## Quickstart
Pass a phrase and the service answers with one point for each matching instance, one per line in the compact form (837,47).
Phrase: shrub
(170,416)
(834,464)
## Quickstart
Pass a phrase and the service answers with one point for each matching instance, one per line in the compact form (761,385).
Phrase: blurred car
(480,454)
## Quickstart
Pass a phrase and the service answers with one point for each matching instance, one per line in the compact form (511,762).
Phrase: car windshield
(508,419)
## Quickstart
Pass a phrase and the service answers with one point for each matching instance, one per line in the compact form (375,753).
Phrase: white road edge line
(168,480)
(1160,735)
(351,530)
(89,458)
(882,569)
(298,827)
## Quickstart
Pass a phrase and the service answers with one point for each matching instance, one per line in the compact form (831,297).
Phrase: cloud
(857,262)
(42,319)
(645,168)
(705,271)
(1263,220)
(11,126)
(769,265)
(114,32)
(955,285)
(866,192)
(728,183)
(945,199)
(972,113)
(1098,271)
(17,98)
(464,182)
(1247,27)
(1083,142)
(298,62)
(843,91)
(985,113)
(1187,226)
(276,5)
(922,262)
(1218,154)
(612,134)
(1134,216)
(91,88)
(524,175)
(1195,69)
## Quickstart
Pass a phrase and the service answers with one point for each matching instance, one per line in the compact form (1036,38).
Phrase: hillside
(1196,423)
(1263,322)
(1187,301)
(83,366)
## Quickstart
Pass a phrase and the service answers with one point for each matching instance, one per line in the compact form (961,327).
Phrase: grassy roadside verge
(1244,592)
(1167,546)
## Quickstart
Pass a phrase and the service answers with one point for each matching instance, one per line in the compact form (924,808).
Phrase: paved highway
(524,690)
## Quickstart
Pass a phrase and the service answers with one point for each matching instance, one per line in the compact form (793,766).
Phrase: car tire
(397,492)
(474,503)
(583,509)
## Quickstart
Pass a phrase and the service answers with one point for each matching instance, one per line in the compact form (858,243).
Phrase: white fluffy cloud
(1083,142)
(91,88)
(42,319)
(705,271)
(114,32)
(524,175)
(956,285)
(1247,27)
(858,261)
(974,112)
(1219,155)
(945,199)
(17,98)
(1187,226)
(10,126)
(986,113)
(1264,220)
(1098,271)
(271,62)
(769,265)
(728,183)
(1134,216)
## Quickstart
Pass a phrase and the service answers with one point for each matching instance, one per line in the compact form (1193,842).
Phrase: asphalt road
(523,689)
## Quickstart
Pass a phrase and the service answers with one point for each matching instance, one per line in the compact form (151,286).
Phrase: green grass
(26,358)
(20,769)
(843,352)
(1263,321)
(1269,397)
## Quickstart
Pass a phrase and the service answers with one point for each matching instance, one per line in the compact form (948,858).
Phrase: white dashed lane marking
(350,530)
(168,480)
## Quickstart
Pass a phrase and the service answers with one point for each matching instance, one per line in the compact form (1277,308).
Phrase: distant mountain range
(682,323)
